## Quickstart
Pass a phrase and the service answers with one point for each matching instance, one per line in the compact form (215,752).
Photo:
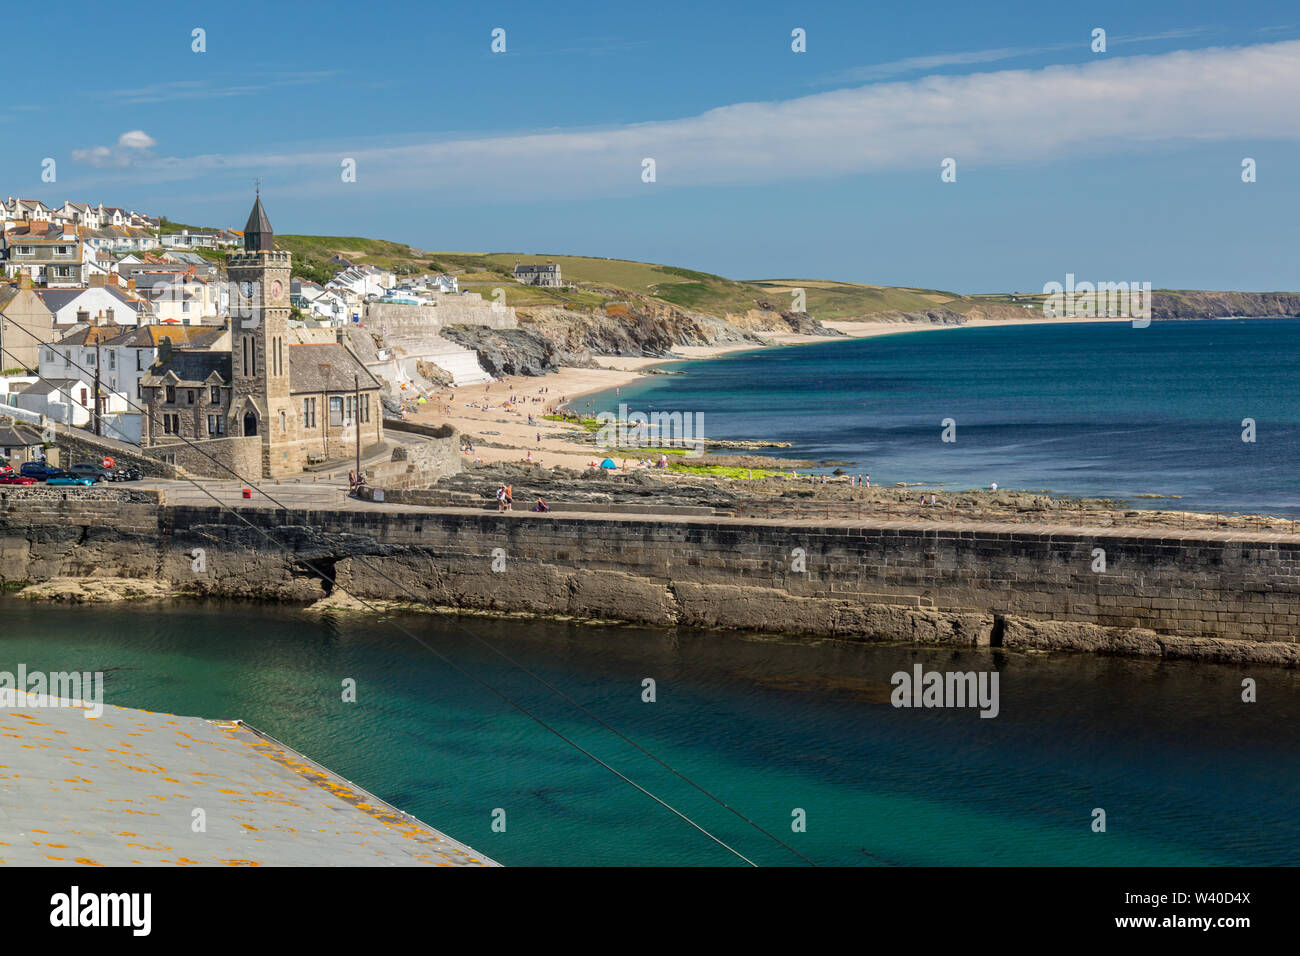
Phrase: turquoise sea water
(1103,409)
(1186,772)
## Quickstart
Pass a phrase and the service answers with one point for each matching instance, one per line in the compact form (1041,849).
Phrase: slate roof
(258,234)
(16,437)
(192,367)
(56,299)
(151,336)
(91,335)
(44,386)
(307,375)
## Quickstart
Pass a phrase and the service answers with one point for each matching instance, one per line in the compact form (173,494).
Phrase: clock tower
(259,326)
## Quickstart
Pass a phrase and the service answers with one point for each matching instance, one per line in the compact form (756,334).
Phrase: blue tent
(608,463)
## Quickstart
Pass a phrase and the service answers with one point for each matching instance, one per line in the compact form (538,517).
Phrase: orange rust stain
(87,861)
(240,862)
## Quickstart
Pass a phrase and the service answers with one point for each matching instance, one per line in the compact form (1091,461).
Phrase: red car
(6,470)
(16,480)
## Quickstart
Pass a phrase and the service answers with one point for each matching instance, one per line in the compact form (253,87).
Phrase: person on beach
(352,483)
(993,487)
(510,497)
(541,505)
(501,498)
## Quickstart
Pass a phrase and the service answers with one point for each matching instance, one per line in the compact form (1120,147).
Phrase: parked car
(96,472)
(12,479)
(128,474)
(66,479)
(40,471)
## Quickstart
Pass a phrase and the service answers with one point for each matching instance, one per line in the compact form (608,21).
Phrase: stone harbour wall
(1209,596)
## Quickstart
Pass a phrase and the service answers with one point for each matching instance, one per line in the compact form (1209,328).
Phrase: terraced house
(51,261)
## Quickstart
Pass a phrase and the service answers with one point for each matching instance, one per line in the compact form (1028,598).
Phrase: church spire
(258,235)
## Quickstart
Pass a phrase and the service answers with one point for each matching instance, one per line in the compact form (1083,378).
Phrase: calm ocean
(1100,410)
(1186,772)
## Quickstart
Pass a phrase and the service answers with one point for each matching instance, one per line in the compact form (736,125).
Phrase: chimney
(130,284)
(24,280)
(95,282)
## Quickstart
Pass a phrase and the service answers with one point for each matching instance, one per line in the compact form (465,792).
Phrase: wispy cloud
(940,61)
(1007,117)
(172,90)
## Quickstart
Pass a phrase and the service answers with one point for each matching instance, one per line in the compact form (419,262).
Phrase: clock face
(246,289)
(276,289)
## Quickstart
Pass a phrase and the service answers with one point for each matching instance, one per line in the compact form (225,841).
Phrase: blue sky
(825,164)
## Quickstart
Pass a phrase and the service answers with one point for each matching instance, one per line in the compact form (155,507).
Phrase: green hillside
(593,282)
(701,291)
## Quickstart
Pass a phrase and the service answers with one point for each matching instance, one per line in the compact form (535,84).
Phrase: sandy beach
(505,419)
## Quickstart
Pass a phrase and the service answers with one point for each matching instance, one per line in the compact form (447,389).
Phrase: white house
(28,210)
(362,281)
(107,304)
(63,400)
(183,298)
(190,240)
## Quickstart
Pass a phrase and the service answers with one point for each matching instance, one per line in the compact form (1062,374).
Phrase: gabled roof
(56,299)
(189,367)
(44,386)
(151,336)
(91,335)
(306,373)
(18,437)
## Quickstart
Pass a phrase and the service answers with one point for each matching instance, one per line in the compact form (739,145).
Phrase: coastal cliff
(1183,304)
(550,337)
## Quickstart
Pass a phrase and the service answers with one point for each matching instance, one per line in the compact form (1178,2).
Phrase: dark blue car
(39,471)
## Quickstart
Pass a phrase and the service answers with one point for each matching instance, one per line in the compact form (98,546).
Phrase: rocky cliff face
(766,318)
(639,327)
(550,337)
(521,351)
(1218,305)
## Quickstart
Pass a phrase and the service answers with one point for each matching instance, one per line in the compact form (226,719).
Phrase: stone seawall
(1209,596)
(399,321)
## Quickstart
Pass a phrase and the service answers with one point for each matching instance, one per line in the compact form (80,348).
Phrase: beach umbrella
(608,463)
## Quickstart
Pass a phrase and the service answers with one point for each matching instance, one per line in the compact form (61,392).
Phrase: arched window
(282,423)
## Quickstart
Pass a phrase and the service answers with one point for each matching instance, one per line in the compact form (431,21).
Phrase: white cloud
(132,147)
(1009,117)
(938,61)
(136,139)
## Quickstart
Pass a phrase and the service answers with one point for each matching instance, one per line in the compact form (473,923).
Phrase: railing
(914,511)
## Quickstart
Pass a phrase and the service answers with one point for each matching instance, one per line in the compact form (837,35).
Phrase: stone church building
(268,407)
